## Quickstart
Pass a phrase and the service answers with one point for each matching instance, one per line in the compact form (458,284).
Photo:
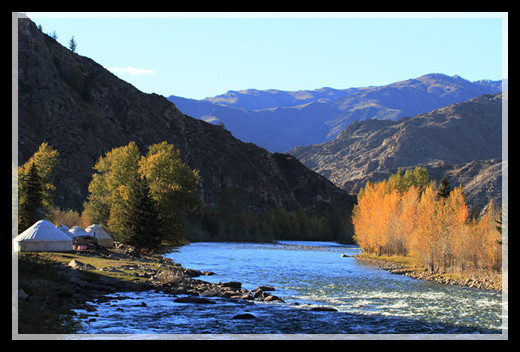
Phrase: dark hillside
(83,110)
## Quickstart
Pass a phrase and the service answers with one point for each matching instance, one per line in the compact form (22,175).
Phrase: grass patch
(122,266)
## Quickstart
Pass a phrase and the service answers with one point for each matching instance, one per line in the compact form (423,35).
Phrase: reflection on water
(305,275)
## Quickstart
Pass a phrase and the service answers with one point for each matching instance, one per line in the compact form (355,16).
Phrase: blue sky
(205,54)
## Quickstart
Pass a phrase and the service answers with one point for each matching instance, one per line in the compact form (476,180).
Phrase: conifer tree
(73,45)
(30,207)
(140,217)
(444,188)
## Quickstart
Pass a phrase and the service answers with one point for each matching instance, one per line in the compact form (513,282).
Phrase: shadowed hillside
(82,110)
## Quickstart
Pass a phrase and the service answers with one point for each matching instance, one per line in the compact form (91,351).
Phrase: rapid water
(305,274)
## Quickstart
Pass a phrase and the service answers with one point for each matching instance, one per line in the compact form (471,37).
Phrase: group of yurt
(43,236)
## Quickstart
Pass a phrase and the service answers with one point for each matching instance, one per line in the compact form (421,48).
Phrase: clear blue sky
(202,57)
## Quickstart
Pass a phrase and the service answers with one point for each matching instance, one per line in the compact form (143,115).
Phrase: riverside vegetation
(151,200)
(407,216)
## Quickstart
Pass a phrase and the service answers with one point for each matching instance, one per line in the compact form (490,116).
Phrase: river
(368,300)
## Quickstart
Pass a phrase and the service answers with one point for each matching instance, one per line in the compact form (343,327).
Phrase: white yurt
(64,229)
(42,237)
(102,237)
(78,232)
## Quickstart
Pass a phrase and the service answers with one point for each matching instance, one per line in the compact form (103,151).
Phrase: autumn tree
(368,231)
(109,186)
(407,221)
(172,188)
(36,186)
(45,160)
(408,215)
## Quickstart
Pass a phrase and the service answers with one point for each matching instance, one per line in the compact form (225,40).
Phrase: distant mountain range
(82,110)
(281,120)
(348,136)
(462,141)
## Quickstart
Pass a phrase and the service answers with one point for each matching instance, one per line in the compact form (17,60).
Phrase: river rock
(211,293)
(192,272)
(258,294)
(272,298)
(266,288)
(232,284)
(324,309)
(244,316)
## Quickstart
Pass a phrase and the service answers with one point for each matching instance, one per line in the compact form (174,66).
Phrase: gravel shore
(483,282)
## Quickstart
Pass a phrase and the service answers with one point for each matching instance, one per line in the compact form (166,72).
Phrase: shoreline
(88,277)
(484,282)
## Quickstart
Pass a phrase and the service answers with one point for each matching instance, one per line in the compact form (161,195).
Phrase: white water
(305,275)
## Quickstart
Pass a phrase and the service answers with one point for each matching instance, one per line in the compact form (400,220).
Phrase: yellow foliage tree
(405,216)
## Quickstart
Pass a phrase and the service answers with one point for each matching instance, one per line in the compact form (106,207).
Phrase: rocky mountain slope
(83,111)
(280,120)
(463,141)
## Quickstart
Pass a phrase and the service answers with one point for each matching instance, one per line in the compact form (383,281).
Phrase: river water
(368,300)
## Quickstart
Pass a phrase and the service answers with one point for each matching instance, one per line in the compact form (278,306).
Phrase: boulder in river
(244,316)
(232,284)
(265,288)
(324,309)
(272,298)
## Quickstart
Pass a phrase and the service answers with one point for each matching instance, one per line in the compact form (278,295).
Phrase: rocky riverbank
(483,282)
(89,276)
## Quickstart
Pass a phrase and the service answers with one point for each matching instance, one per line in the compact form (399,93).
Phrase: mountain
(407,98)
(463,141)
(254,99)
(82,110)
(280,120)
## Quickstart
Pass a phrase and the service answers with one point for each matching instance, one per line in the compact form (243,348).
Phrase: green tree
(140,217)
(30,206)
(172,185)
(444,188)
(110,186)
(417,177)
(45,160)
